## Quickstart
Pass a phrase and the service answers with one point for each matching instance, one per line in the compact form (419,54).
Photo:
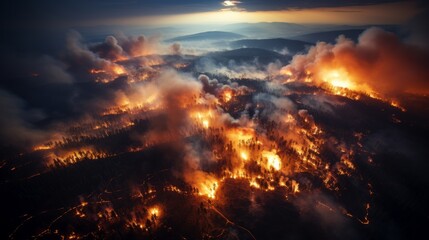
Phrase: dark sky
(47,12)
(28,24)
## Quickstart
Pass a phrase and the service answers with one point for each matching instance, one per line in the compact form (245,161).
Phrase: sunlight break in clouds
(232,6)
(387,13)
(230,3)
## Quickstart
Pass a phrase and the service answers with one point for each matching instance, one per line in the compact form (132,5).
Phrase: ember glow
(232,134)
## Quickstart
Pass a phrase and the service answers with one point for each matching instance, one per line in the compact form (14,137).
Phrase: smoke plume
(379,63)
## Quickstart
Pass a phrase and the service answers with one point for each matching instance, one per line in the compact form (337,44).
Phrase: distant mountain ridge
(211,35)
(329,36)
(272,44)
(248,54)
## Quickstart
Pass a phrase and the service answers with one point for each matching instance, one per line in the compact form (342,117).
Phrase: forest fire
(108,74)
(266,159)
(269,154)
(162,150)
(64,158)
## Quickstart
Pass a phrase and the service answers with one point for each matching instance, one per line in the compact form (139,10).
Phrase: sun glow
(230,3)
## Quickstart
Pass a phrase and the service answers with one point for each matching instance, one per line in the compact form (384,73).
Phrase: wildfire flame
(338,78)
(244,155)
(339,82)
(117,69)
(208,187)
(273,160)
(227,95)
(154,211)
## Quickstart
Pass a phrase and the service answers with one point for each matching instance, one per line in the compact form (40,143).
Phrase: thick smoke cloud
(83,58)
(176,49)
(176,92)
(16,126)
(65,85)
(109,49)
(319,208)
(52,70)
(234,69)
(379,62)
(122,47)
(26,68)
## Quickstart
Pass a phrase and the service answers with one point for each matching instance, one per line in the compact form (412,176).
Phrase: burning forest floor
(163,151)
(252,180)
